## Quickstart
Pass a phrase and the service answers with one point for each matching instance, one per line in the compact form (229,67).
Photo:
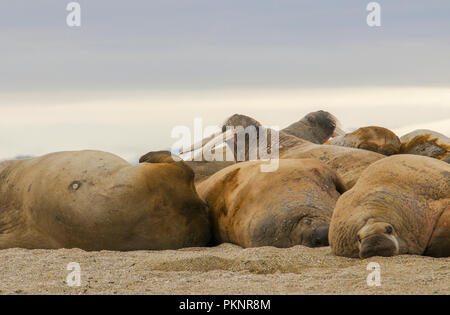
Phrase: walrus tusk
(338,132)
(209,143)
(199,144)
(219,139)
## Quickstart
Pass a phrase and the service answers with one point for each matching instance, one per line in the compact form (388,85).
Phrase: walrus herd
(365,193)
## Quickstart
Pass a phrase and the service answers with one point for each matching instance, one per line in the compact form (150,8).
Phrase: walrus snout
(377,245)
(315,236)
(319,236)
(310,234)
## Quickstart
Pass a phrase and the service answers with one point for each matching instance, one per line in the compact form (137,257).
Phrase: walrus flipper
(169,158)
(158,157)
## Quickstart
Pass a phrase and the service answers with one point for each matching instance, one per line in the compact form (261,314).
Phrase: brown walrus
(426,142)
(400,205)
(288,207)
(347,162)
(97,201)
(372,138)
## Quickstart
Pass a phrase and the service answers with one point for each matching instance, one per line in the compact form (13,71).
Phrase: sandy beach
(225,269)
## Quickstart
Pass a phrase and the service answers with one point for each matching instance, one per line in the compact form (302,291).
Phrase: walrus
(95,200)
(291,206)
(347,162)
(400,205)
(372,138)
(426,142)
(316,127)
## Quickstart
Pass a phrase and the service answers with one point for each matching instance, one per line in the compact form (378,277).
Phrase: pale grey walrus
(372,138)
(316,127)
(400,205)
(347,162)
(426,142)
(290,206)
(97,201)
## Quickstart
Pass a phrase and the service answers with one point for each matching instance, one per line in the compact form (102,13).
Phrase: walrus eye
(308,222)
(359,238)
(389,229)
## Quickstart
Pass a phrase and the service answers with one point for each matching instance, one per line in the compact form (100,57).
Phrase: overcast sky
(135,69)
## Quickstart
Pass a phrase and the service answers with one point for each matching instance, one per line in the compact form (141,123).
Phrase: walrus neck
(287,141)
(284,143)
(301,130)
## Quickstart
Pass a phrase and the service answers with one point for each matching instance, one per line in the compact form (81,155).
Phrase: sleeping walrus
(97,201)
(426,142)
(400,205)
(288,207)
(372,138)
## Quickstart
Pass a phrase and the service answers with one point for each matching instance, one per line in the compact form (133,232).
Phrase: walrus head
(310,234)
(240,120)
(377,239)
(316,127)
(227,135)
(284,141)
(238,125)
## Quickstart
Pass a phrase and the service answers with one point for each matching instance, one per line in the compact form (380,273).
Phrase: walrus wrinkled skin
(372,138)
(427,143)
(291,206)
(400,205)
(97,201)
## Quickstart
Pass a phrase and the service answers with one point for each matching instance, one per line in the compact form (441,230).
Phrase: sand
(225,269)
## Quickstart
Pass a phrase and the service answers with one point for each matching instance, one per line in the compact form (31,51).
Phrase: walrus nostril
(320,236)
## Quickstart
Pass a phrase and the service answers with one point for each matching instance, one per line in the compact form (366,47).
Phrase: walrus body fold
(348,163)
(290,206)
(400,205)
(97,201)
